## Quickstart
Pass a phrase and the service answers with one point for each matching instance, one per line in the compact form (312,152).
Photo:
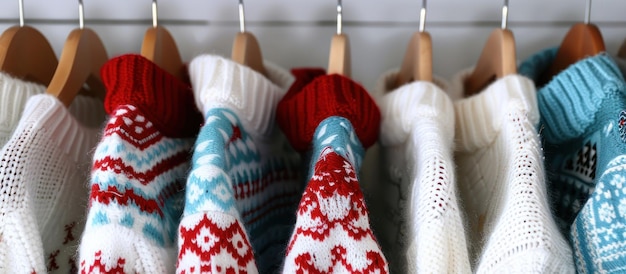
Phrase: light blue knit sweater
(583,127)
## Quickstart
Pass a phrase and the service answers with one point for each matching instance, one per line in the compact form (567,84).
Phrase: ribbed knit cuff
(315,97)
(479,117)
(222,83)
(570,102)
(404,107)
(166,101)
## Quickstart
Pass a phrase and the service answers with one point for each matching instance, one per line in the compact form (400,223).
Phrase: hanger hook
(505,14)
(339,17)
(423,16)
(21,10)
(242,18)
(588,12)
(81,14)
(155,14)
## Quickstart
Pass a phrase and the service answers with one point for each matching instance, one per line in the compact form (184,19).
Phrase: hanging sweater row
(142,164)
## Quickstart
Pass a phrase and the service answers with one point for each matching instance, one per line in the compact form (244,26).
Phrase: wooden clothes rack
(297,33)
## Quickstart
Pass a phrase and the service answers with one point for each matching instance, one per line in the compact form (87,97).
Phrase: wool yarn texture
(502,181)
(43,170)
(583,122)
(245,181)
(139,169)
(332,120)
(414,203)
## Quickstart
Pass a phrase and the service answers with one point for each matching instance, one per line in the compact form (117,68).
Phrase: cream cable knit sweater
(415,212)
(502,182)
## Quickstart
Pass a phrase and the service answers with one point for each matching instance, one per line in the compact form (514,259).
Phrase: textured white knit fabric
(413,206)
(210,92)
(44,168)
(502,182)
(13,96)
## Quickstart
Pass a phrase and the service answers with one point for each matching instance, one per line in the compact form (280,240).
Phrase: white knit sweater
(13,96)
(502,182)
(414,208)
(44,168)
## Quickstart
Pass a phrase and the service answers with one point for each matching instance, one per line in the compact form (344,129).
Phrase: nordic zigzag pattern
(137,175)
(239,189)
(333,232)
(599,231)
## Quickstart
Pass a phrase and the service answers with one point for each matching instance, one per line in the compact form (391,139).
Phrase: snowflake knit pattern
(43,168)
(413,205)
(245,180)
(138,170)
(583,117)
(335,119)
(502,187)
(14,94)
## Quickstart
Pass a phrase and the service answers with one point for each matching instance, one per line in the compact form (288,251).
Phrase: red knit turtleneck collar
(165,100)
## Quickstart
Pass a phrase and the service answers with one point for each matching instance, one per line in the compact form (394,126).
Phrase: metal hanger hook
(81,14)
(423,16)
(242,18)
(505,14)
(339,17)
(155,14)
(588,12)
(20,3)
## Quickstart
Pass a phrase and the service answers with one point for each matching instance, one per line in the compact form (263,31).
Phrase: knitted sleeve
(334,117)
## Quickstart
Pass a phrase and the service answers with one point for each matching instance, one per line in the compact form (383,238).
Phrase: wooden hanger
(339,61)
(81,59)
(622,51)
(26,54)
(246,49)
(581,41)
(160,47)
(497,59)
(417,64)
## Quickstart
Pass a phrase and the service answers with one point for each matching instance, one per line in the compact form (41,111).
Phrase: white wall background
(296,33)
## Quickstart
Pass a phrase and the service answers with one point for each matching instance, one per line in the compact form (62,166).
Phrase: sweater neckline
(14,94)
(570,102)
(222,83)
(404,107)
(73,136)
(479,118)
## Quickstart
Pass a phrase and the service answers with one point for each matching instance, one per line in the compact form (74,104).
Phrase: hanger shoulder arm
(160,47)
(339,61)
(621,53)
(82,57)
(417,64)
(497,60)
(25,53)
(581,41)
(246,51)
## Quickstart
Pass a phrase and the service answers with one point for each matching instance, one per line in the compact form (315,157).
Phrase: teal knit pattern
(583,127)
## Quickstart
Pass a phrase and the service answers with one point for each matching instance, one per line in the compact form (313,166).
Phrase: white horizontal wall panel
(297,33)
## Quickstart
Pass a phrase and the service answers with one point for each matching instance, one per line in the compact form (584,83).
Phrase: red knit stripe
(112,194)
(315,97)
(166,101)
(118,166)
